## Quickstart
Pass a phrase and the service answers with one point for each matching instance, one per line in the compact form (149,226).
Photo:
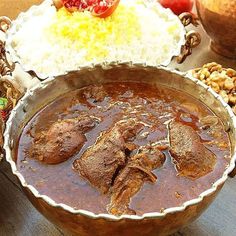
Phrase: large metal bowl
(84,223)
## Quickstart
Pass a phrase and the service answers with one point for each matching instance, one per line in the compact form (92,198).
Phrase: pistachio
(232,99)
(229,84)
(215,86)
(215,78)
(206,73)
(216,68)
(202,77)
(230,72)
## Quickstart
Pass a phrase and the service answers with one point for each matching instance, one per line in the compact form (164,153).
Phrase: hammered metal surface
(84,223)
(219,20)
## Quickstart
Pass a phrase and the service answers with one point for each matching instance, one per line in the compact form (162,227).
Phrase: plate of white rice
(53,42)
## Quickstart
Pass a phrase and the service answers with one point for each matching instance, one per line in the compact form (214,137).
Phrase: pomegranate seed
(4,115)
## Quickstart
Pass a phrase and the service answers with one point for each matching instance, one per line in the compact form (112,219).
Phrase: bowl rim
(171,210)
(42,76)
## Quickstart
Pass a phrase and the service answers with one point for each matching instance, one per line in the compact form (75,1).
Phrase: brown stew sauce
(155,106)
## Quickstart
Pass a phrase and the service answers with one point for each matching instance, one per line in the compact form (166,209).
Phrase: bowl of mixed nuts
(221,80)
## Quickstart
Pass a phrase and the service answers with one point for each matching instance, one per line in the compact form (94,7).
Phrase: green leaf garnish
(3,103)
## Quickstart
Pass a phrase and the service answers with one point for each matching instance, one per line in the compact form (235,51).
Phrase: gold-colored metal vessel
(85,223)
(218,18)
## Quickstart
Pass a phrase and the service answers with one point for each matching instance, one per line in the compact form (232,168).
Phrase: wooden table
(19,218)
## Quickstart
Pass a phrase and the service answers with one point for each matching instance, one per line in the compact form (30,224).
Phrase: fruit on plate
(178,6)
(99,8)
(105,10)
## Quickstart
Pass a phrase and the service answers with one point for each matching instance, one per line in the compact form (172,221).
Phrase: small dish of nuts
(221,80)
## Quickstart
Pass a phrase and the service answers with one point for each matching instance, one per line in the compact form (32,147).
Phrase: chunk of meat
(191,157)
(62,140)
(212,126)
(101,162)
(97,93)
(131,179)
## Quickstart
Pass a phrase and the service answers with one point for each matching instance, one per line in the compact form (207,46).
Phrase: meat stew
(123,148)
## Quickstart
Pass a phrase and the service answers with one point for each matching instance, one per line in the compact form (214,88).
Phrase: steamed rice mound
(51,42)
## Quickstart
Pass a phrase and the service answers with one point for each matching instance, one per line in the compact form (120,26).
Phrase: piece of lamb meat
(131,179)
(101,162)
(191,157)
(62,140)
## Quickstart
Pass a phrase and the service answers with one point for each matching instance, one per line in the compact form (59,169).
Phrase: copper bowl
(218,18)
(85,223)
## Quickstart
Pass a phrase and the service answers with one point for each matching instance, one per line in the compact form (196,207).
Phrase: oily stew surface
(123,148)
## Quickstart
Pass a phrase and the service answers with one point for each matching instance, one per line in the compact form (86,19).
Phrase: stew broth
(154,106)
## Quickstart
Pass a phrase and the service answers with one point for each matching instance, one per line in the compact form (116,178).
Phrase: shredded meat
(97,93)
(213,127)
(101,162)
(209,121)
(191,157)
(62,140)
(131,179)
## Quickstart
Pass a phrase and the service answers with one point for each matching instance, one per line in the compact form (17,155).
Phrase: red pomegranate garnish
(104,11)
(178,6)
(99,8)
(4,115)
